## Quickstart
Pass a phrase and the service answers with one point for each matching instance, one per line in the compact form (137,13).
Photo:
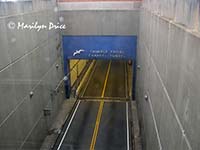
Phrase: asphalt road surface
(99,125)
(116,86)
(96,80)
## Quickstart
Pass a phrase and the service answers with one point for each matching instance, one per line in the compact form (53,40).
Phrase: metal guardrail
(60,135)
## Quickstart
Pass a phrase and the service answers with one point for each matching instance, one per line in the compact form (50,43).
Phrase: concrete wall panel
(160,49)
(168,55)
(100,22)
(31,38)
(21,71)
(15,37)
(185,12)
(28,61)
(174,62)
(4,57)
(37,136)
(189,90)
(7,96)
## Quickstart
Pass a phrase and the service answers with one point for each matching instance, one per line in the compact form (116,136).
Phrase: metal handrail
(66,77)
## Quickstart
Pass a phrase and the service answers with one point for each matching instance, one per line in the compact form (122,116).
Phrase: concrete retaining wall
(168,56)
(101,22)
(28,61)
(185,12)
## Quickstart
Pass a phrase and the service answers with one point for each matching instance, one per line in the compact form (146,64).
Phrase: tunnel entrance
(116,48)
(100,118)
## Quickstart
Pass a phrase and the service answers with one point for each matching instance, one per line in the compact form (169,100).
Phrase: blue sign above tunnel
(99,47)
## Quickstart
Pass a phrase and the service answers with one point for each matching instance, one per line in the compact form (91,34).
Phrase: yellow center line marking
(99,114)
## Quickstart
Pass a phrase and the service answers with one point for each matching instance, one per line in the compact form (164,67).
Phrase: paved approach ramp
(100,119)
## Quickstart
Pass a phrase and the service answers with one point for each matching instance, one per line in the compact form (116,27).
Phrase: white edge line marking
(69,125)
(127,126)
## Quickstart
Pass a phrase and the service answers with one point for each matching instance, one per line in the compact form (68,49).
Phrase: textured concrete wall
(186,12)
(101,22)
(28,62)
(168,56)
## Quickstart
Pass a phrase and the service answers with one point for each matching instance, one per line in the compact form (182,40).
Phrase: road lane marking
(105,98)
(106,80)
(94,137)
(95,133)
(127,126)
(69,125)
(126,79)
(108,101)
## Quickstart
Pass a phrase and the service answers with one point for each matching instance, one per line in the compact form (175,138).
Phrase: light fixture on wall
(146,97)
(31,94)
(138,67)
(57,66)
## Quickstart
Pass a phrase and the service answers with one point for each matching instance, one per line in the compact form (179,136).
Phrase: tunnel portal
(91,47)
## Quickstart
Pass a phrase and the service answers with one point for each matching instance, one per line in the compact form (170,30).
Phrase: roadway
(100,119)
